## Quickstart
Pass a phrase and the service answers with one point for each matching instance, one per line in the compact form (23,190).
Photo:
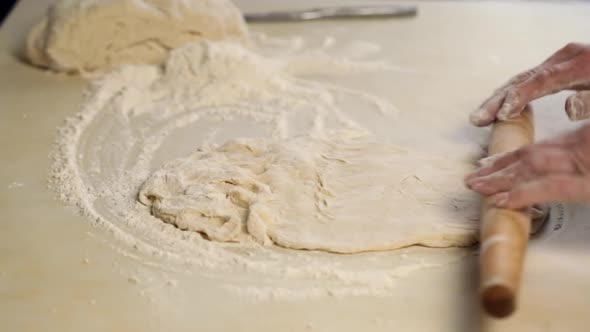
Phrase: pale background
(59,273)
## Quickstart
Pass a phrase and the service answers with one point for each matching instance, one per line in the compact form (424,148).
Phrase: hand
(557,170)
(567,69)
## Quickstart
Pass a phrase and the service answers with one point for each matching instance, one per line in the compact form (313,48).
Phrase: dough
(94,36)
(341,193)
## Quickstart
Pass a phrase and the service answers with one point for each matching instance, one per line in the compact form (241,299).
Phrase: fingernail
(475,174)
(574,107)
(504,113)
(483,162)
(470,179)
(501,200)
(513,116)
(474,183)
(476,117)
(479,186)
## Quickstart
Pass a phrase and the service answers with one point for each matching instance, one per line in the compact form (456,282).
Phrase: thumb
(577,106)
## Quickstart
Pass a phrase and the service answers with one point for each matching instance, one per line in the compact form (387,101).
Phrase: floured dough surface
(341,193)
(94,36)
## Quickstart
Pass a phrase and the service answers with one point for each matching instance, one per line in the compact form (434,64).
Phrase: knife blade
(371,11)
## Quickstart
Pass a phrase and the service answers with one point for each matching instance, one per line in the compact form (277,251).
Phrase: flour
(139,117)
(381,286)
(15,185)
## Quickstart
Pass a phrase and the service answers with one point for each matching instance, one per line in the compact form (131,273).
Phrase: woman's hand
(567,69)
(557,170)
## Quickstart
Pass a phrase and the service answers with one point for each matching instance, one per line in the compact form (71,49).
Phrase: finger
(555,142)
(486,113)
(549,189)
(501,162)
(551,79)
(568,52)
(496,182)
(539,214)
(537,162)
(577,106)
(539,211)
(489,160)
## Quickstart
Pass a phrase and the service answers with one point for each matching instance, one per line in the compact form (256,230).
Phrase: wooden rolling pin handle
(504,233)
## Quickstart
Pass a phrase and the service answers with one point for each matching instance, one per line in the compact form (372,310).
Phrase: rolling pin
(504,233)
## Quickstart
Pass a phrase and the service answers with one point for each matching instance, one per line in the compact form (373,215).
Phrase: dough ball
(95,36)
(341,193)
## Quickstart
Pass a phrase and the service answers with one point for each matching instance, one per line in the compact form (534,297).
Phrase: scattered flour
(15,185)
(139,117)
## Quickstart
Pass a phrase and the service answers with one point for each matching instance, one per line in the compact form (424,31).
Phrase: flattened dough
(341,194)
(95,36)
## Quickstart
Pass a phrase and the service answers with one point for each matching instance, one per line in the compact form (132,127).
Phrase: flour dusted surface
(140,117)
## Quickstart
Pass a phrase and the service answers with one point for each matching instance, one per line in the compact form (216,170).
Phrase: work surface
(59,273)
